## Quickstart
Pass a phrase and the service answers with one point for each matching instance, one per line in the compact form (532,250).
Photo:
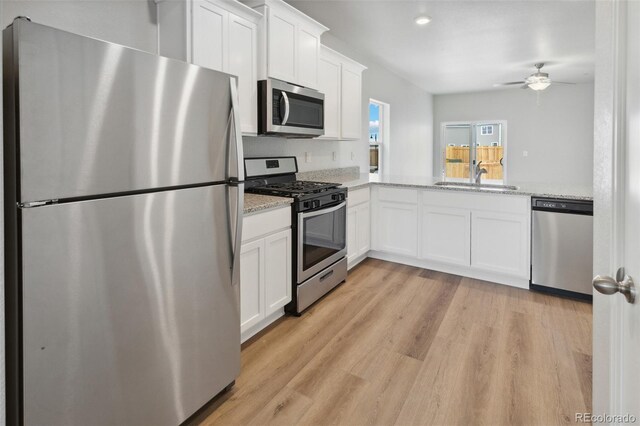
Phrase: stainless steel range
(319,222)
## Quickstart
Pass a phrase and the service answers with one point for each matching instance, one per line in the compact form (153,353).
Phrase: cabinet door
(243,63)
(351,112)
(363,229)
(446,235)
(307,60)
(209,44)
(352,232)
(329,83)
(281,59)
(396,228)
(252,297)
(500,243)
(277,271)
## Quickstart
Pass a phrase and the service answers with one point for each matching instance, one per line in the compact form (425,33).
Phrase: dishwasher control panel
(563,206)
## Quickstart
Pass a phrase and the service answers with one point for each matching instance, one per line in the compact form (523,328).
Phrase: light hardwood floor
(402,345)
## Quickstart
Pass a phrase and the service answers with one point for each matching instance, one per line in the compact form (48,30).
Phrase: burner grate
(296,187)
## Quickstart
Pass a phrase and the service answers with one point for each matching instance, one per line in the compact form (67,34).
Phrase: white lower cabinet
(277,255)
(265,269)
(483,236)
(446,234)
(500,243)
(358,226)
(395,221)
(252,286)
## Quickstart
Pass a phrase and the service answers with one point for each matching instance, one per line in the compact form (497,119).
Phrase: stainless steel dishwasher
(562,247)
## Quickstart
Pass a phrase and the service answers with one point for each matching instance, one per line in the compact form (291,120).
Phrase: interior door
(616,321)
(129,314)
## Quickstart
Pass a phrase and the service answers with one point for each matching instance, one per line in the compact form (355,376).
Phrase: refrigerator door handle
(236,155)
(236,228)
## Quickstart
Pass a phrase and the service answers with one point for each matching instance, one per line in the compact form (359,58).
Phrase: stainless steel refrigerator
(123,202)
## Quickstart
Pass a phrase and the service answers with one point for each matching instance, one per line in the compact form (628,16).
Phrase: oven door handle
(324,211)
(286,108)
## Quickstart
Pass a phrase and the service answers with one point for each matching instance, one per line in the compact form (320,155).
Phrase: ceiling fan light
(538,82)
(539,85)
(422,19)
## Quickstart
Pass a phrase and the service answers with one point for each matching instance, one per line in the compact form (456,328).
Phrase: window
(374,123)
(486,130)
(468,147)
(378,134)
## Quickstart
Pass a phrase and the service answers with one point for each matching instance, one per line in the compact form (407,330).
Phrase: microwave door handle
(286,108)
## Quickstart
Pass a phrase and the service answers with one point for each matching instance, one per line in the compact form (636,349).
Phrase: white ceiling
(469,45)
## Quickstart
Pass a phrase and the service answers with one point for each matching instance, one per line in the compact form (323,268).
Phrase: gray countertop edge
(257,203)
(521,192)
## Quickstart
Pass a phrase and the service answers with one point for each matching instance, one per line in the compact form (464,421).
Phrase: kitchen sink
(480,186)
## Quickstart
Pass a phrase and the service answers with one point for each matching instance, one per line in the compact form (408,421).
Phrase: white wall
(557,133)
(128,22)
(411,126)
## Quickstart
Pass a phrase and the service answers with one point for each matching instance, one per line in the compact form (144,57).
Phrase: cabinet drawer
(358,196)
(263,223)
(517,204)
(398,195)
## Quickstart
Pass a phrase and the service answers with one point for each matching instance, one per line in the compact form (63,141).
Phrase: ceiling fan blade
(524,86)
(560,82)
(511,83)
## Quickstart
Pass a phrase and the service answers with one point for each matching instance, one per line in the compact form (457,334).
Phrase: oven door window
(304,111)
(323,236)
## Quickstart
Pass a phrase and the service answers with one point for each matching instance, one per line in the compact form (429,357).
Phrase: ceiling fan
(537,81)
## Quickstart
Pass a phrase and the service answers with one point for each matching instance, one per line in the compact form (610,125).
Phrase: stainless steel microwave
(288,110)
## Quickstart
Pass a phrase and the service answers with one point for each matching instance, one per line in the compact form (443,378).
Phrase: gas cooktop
(294,188)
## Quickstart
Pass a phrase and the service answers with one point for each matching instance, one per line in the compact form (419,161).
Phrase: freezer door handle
(236,156)
(235,225)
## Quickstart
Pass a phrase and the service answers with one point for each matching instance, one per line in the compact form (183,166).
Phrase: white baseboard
(249,333)
(357,260)
(469,272)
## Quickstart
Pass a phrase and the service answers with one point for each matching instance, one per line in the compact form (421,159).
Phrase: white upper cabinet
(351,108)
(308,56)
(217,34)
(281,45)
(340,79)
(290,43)
(210,41)
(243,63)
(329,71)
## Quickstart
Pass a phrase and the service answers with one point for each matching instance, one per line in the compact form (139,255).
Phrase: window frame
(384,132)
(472,143)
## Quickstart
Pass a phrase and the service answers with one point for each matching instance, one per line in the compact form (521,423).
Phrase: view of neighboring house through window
(469,147)
(378,133)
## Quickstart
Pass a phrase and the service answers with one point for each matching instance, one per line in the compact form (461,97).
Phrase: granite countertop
(566,191)
(352,180)
(256,202)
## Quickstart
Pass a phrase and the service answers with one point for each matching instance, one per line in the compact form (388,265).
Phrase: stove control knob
(316,203)
(306,204)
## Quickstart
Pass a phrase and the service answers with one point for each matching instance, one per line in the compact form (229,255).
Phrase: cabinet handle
(286,108)
(327,275)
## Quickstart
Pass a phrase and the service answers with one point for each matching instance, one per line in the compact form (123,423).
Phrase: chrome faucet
(479,172)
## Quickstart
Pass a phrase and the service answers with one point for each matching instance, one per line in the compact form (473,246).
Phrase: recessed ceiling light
(423,20)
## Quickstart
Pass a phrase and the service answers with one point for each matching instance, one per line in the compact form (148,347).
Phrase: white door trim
(608,175)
